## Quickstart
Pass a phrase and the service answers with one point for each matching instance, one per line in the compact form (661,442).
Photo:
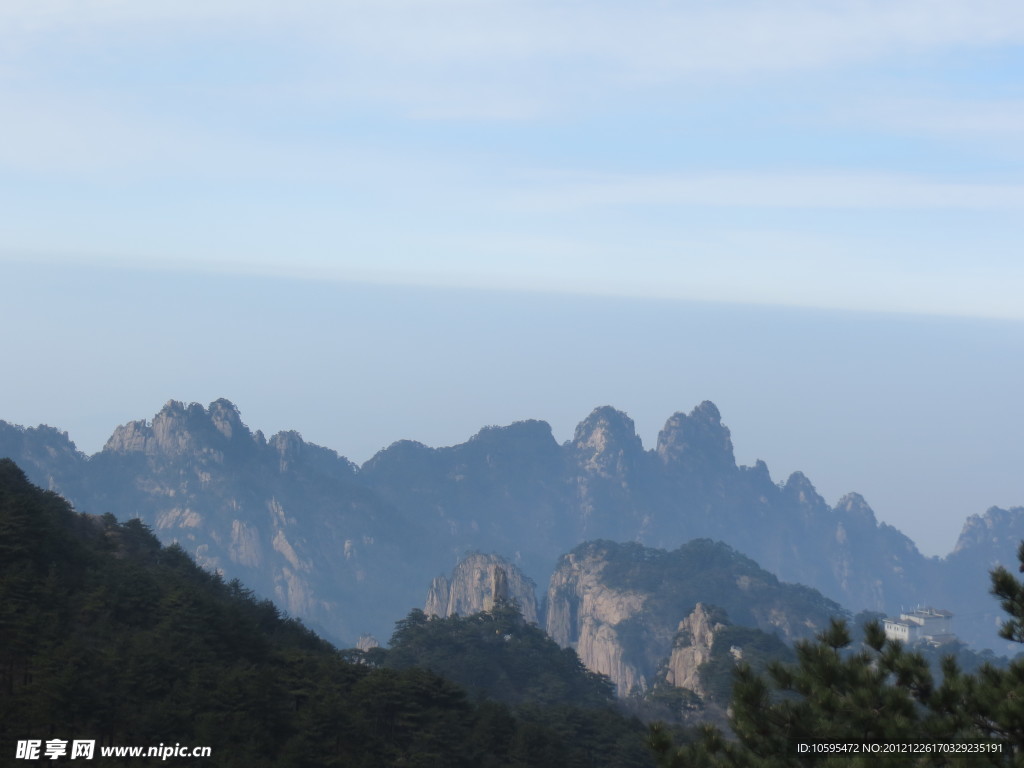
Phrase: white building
(928,624)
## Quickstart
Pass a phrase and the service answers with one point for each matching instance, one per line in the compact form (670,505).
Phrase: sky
(375,221)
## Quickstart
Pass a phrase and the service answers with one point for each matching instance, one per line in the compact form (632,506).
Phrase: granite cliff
(691,649)
(598,616)
(623,606)
(477,584)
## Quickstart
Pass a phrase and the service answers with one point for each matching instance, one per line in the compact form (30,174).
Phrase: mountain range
(350,549)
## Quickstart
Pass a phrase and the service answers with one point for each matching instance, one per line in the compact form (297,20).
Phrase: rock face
(622,606)
(348,549)
(367,643)
(691,649)
(476,584)
(585,614)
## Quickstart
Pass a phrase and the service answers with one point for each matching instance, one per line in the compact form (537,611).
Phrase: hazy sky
(371,221)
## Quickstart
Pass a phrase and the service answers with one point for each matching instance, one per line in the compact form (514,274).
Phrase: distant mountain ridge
(350,548)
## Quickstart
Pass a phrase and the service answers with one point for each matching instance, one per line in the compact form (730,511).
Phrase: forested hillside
(107,635)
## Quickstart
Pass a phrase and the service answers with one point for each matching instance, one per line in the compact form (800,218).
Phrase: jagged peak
(178,428)
(225,417)
(995,516)
(993,524)
(699,438)
(606,443)
(289,446)
(798,481)
(608,419)
(700,627)
(707,411)
(854,506)
(800,488)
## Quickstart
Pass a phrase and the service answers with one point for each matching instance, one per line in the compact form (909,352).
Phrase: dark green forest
(497,654)
(107,635)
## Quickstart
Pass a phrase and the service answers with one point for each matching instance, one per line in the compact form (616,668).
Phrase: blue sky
(804,165)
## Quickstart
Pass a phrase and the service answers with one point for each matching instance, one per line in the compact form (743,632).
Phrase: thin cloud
(407,53)
(964,118)
(768,190)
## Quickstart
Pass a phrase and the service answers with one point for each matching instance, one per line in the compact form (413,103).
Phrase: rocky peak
(692,648)
(151,437)
(802,492)
(179,429)
(698,440)
(606,442)
(997,529)
(225,418)
(289,446)
(477,583)
(855,510)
